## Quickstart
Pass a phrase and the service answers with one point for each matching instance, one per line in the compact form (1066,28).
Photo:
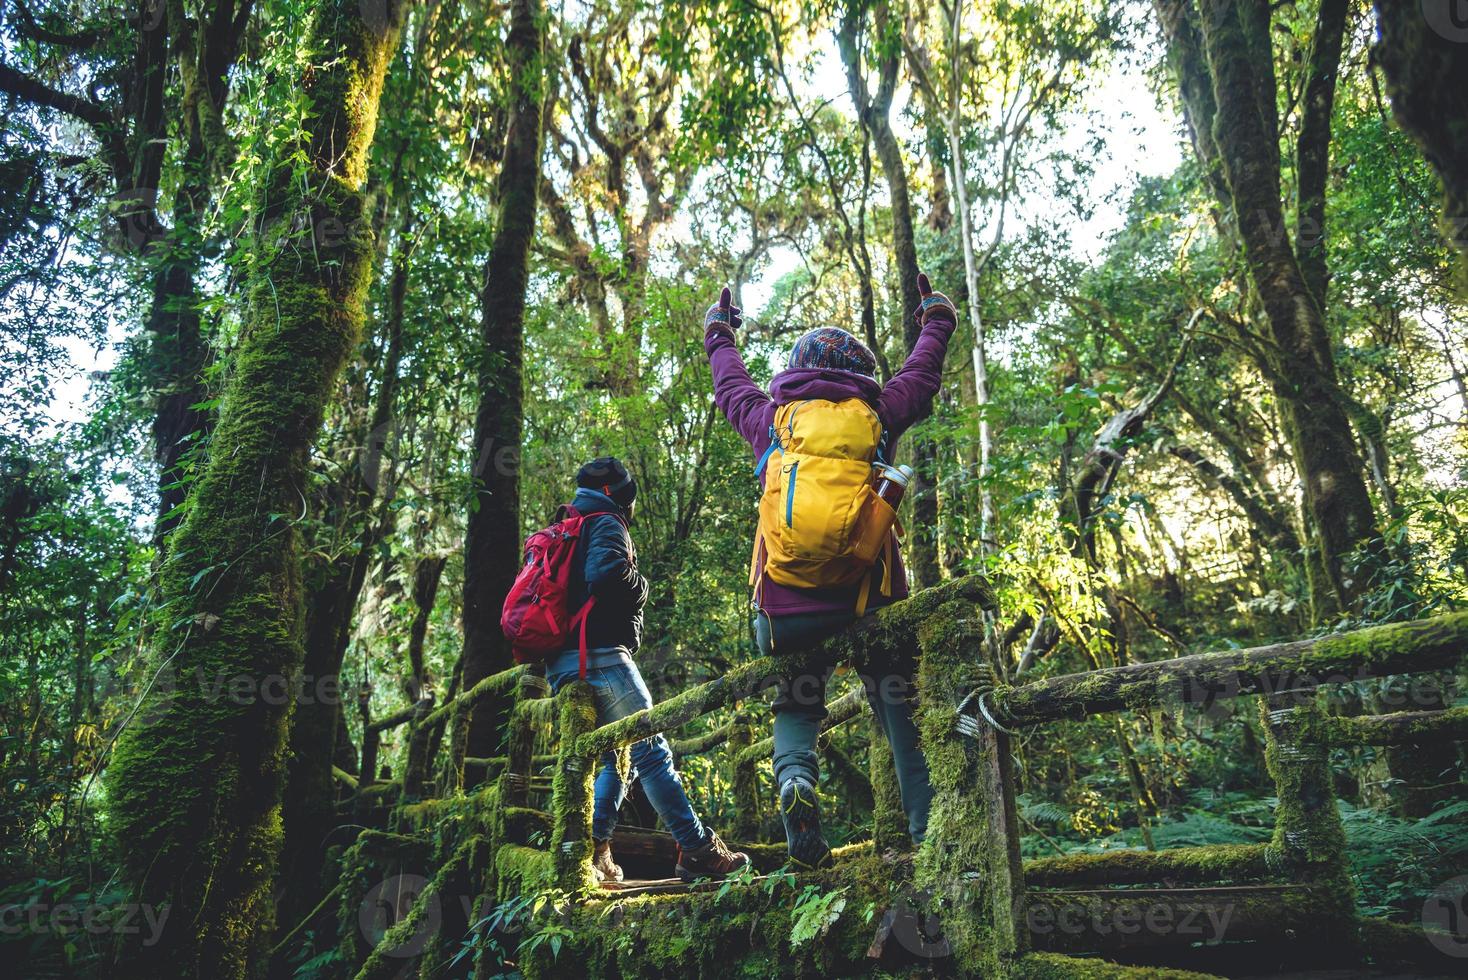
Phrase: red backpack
(537,618)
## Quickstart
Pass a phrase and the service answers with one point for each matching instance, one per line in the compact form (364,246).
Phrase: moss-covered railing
(1297,884)
(495,844)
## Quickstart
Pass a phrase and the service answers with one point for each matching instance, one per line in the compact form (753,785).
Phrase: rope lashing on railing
(974,709)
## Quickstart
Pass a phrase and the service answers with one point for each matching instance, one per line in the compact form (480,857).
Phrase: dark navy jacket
(606,566)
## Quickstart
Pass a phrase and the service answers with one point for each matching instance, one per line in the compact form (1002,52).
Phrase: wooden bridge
(963,904)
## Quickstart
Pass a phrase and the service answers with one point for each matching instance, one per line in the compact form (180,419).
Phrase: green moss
(521,871)
(1437,642)
(1053,966)
(747,803)
(1399,729)
(699,744)
(372,858)
(969,861)
(381,962)
(493,684)
(521,823)
(417,816)
(1114,921)
(744,933)
(1181,865)
(195,782)
(1400,947)
(1307,826)
(890,628)
(889,821)
(571,842)
(1416,647)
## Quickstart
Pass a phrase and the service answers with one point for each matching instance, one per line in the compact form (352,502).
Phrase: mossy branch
(1397,648)
(1402,728)
(380,963)
(493,684)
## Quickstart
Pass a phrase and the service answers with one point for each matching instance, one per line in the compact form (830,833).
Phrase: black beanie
(607,475)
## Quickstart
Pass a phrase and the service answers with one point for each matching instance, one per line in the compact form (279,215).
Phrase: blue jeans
(800,707)
(619,692)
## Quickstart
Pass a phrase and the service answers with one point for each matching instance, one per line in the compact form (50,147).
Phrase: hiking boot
(712,860)
(802,815)
(608,872)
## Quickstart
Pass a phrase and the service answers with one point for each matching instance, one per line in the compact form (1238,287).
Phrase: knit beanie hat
(834,349)
(607,475)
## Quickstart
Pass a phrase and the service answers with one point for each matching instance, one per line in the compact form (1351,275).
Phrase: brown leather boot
(608,872)
(712,860)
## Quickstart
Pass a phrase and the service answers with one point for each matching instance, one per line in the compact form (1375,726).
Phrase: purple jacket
(905,399)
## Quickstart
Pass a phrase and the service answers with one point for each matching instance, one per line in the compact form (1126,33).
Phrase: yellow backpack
(821,523)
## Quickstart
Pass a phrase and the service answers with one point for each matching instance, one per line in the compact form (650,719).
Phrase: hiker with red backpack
(577,605)
(825,550)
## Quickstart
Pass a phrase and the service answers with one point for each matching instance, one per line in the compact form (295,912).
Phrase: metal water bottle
(892,482)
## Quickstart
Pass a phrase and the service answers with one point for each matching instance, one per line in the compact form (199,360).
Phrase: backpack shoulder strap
(776,443)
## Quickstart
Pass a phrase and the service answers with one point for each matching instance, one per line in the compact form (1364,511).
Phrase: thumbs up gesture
(723,315)
(932,303)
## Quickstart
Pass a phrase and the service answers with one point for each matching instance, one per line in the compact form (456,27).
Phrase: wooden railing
(998,907)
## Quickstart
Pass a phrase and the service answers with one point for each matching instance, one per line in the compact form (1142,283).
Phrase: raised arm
(908,397)
(745,404)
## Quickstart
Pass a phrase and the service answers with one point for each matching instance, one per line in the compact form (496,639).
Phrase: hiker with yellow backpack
(825,552)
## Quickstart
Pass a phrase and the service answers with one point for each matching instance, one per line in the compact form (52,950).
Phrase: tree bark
(207,50)
(1423,51)
(195,784)
(308,811)
(492,542)
(1225,69)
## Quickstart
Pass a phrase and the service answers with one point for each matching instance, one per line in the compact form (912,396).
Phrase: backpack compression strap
(582,617)
(585,613)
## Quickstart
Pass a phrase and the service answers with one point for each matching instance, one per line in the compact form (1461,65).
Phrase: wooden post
(520,751)
(969,864)
(746,783)
(571,795)
(1309,839)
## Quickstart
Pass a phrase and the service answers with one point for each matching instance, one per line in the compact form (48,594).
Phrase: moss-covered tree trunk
(195,783)
(1224,62)
(353,517)
(492,542)
(206,51)
(1423,51)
